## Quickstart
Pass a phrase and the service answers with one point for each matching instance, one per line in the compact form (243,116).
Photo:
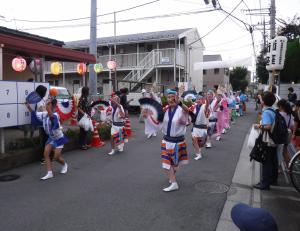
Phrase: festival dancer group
(210,114)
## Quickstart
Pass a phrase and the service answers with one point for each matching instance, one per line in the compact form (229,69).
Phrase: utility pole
(264,34)
(115,52)
(272,35)
(272,13)
(93,47)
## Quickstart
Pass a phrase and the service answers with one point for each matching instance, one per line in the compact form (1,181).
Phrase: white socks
(174,186)
(64,169)
(121,147)
(111,152)
(198,156)
(208,145)
(48,175)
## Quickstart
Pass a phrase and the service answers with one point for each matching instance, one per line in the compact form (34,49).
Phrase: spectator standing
(83,108)
(296,131)
(41,107)
(292,96)
(270,166)
(285,111)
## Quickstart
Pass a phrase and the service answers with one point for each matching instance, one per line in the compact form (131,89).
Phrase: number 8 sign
(8,115)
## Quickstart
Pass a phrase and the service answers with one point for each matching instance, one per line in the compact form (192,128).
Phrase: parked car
(62,93)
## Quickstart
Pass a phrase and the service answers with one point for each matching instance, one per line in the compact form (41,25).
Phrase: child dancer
(56,138)
(199,132)
(117,128)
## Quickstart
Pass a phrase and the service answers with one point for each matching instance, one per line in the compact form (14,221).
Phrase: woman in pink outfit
(227,113)
(220,114)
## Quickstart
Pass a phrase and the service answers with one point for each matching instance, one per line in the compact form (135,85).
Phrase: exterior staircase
(143,69)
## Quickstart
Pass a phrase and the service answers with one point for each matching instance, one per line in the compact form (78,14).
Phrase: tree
(261,72)
(237,78)
(291,30)
(291,71)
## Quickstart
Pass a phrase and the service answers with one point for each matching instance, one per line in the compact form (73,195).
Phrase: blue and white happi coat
(51,126)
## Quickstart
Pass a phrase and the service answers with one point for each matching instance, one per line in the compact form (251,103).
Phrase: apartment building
(162,57)
(216,76)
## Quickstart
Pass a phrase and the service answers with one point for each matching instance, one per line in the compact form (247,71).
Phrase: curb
(246,174)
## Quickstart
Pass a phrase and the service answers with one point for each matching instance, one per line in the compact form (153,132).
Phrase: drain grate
(10,177)
(211,187)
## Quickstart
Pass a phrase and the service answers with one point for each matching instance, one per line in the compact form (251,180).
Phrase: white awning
(246,62)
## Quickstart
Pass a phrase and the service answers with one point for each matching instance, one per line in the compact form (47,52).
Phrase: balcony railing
(165,57)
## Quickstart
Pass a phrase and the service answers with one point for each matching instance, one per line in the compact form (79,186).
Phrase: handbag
(86,123)
(254,133)
(259,151)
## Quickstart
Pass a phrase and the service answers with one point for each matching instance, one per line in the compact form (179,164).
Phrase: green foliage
(104,131)
(290,29)
(238,78)
(291,71)
(188,103)
(262,74)
(164,101)
(72,134)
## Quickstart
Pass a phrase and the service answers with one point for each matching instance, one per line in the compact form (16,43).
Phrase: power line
(125,20)
(227,42)
(216,25)
(82,18)
(249,10)
(235,48)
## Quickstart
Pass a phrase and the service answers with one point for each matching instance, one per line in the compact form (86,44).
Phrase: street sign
(275,56)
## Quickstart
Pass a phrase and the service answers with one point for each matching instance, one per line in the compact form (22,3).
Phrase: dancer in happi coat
(227,112)
(211,101)
(200,121)
(173,146)
(231,107)
(56,138)
(219,110)
(117,128)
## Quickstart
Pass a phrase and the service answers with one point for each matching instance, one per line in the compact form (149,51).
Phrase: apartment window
(149,48)
(216,71)
(122,50)
(204,72)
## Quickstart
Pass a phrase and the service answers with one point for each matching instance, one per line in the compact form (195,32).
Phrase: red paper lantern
(111,65)
(81,68)
(53,92)
(19,64)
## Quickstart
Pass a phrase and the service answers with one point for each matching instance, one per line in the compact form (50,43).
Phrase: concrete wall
(194,54)
(283,90)
(210,78)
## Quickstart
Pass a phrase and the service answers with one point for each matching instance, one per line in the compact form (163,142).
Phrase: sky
(230,39)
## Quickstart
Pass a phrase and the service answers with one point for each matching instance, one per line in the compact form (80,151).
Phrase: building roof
(21,34)
(208,58)
(31,45)
(131,38)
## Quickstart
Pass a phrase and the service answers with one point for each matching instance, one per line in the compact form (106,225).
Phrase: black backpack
(279,133)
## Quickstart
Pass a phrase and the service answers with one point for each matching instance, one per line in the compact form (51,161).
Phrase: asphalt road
(124,191)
